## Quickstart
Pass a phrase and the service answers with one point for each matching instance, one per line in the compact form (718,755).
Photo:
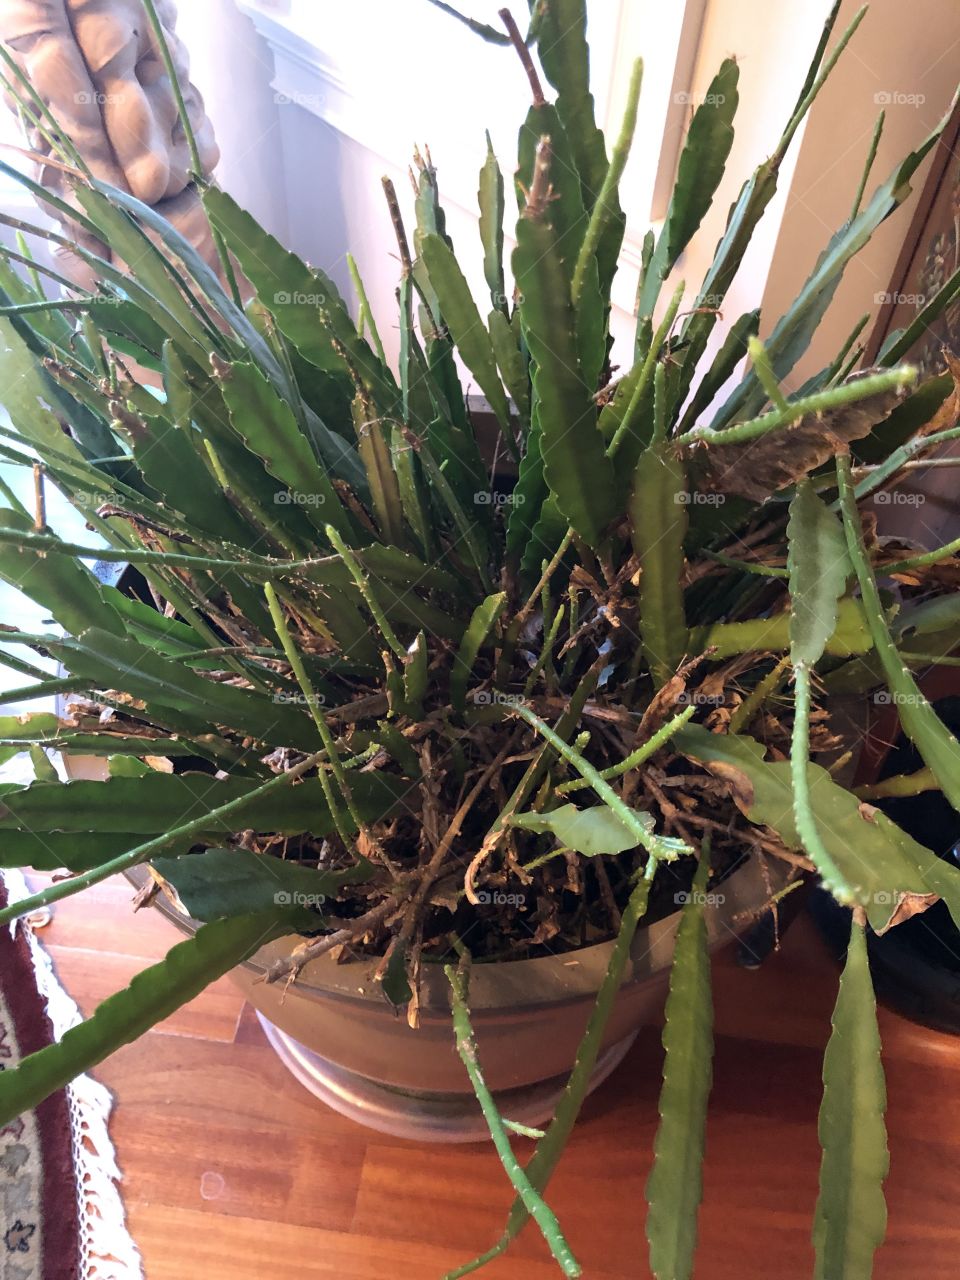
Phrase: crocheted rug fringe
(108,1251)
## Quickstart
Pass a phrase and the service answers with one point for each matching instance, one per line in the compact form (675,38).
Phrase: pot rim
(519,985)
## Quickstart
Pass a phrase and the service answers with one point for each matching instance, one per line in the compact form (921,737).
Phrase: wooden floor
(233,1170)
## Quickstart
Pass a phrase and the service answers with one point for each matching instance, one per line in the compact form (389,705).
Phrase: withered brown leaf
(908,906)
(756,468)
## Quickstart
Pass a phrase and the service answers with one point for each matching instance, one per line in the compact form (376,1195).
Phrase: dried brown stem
(39,498)
(523,53)
(294,963)
(396,217)
(548,572)
(606,892)
(541,188)
(420,883)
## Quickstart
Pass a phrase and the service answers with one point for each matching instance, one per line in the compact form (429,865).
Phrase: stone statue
(96,65)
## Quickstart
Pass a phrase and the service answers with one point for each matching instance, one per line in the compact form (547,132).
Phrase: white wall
(232,67)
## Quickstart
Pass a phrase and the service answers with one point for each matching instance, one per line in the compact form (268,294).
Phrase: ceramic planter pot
(339,1037)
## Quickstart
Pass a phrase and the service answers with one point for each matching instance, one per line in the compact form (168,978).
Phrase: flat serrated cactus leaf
(233,882)
(936,744)
(788,342)
(675,1185)
(52,326)
(130,243)
(874,862)
(545,534)
(510,362)
(193,398)
(268,427)
(78,851)
(131,329)
(416,676)
(476,635)
(851,635)
(69,742)
(658,524)
(851,1214)
(111,662)
(589,831)
(462,319)
(742,221)
(568,213)
(377,460)
(565,56)
(171,467)
(29,728)
(819,567)
(703,159)
(200,271)
(700,169)
(748,209)
(158,802)
(25,400)
(490,199)
(63,586)
(579,474)
(591,326)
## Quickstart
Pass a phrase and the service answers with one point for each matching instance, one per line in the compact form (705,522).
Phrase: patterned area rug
(61,1216)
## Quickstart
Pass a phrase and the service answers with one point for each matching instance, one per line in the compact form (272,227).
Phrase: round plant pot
(337,1034)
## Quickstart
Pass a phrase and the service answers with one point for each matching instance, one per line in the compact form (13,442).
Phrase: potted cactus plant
(462,765)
